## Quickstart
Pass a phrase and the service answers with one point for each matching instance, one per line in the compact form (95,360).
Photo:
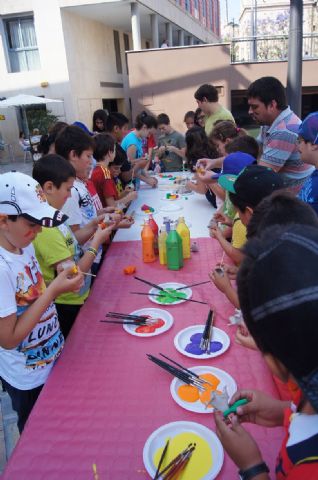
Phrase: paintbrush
(150,284)
(164,451)
(172,296)
(193,285)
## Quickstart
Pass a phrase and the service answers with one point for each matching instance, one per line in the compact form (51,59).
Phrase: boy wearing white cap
(30,337)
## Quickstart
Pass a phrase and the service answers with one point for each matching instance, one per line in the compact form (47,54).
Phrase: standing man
(268,106)
(207,98)
(171,145)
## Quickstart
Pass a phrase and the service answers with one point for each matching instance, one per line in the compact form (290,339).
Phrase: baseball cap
(234,163)
(308,129)
(83,127)
(22,195)
(282,290)
(252,184)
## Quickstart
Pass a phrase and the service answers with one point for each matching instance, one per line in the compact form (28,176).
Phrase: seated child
(277,285)
(30,336)
(57,247)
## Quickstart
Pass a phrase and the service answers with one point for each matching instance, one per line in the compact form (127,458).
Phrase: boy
(117,127)
(56,247)
(277,286)
(171,145)
(30,337)
(308,149)
(207,98)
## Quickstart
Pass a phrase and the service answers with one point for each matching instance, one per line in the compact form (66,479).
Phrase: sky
(233,10)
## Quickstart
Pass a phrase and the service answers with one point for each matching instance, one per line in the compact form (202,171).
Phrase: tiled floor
(19,166)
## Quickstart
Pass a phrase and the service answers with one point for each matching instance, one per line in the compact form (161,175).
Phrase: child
(117,127)
(277,286)
(54,247)
(308,149)
(30,337)
(104,153)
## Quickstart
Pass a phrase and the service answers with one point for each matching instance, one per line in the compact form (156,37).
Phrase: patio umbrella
(24,100)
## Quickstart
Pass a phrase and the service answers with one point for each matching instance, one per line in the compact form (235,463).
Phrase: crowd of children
(54,230)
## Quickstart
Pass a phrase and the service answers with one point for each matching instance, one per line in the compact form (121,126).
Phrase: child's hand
(237,442)
(131,196)
(102,234)
(244,338)
(152,181)
(205,177)
(261,408)
(220,217)
(126,222)
(231,270)
(67,281)
(108,210)
(215,232)
(220,280)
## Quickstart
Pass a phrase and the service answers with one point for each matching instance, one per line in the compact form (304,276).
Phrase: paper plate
(182,339)
(171,207)
(154,313)
(198,406)
(159,437)
(171,199)
(174,285)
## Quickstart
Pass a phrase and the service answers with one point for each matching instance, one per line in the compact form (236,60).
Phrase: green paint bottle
(174,249)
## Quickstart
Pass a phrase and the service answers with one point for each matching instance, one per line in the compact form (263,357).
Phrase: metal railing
(269,48)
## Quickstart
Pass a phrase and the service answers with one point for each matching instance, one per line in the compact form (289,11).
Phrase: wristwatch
(253,471)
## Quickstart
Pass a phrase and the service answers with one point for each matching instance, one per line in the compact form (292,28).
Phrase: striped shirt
(280,149)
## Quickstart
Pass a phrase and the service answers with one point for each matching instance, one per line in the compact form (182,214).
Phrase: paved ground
(9,433)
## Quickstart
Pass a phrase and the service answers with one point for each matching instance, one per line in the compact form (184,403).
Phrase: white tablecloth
(195,208)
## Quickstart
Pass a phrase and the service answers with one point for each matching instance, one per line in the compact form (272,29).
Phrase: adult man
(117,127)
(308,149)
(171,145)
(207,98)
(268,106)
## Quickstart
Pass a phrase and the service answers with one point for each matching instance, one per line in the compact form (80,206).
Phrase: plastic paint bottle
(166,222)
(174,249)
(147,241)
(162,245)
(184,233)
(154,227)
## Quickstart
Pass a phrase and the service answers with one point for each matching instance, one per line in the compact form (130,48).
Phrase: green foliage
(41,119)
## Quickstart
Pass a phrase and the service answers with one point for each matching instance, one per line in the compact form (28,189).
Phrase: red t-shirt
(104,184)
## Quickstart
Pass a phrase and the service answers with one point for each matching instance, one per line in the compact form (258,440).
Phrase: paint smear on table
(169,296)
(200,462)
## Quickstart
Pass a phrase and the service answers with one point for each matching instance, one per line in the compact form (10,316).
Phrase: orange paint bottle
(147,241)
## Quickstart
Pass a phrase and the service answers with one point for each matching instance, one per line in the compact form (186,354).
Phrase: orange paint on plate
(188,393)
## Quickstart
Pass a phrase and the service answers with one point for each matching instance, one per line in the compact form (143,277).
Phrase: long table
(104,398)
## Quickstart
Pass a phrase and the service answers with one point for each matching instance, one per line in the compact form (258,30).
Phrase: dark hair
(73,138)
(99,115)
(197,114)
(163,119)
(267,89)
(244,143)
(49,138)
(53,168)
(292,339)
(144,119)
(104,143)
(238,202)
(225,129)
(197,146)
(280,208)
(189,114)
(207,91)
(118,161)
(115,119)
(14,218)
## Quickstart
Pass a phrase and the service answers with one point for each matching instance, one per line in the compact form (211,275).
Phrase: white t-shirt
(28,365)
(80,210)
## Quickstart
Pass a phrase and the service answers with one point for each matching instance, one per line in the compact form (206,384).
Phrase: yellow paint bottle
(184,233)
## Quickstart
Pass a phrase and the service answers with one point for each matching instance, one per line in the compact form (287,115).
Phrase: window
(126,47)
(22,44)
(117,52)
(187,5)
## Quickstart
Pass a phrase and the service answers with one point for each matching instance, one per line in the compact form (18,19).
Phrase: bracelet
(92,251)
(253,471)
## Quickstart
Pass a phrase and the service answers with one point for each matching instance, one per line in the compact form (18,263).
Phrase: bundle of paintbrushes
(126,319)
(182,373)
(206,339)
(175,467)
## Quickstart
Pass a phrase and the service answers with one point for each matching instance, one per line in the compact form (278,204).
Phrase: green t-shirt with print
(221,114)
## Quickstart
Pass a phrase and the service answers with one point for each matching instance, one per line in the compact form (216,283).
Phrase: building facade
(74,50)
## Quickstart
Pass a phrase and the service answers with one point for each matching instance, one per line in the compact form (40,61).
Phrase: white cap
(22,195)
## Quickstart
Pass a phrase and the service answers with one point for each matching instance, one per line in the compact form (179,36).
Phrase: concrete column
(191,40)
(181,38)
(154,30)
(169,34)
(135,26)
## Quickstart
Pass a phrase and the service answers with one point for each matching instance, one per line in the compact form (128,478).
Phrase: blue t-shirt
(309,191)
(132,139)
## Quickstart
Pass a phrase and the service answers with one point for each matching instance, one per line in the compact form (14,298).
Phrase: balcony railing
(269,48)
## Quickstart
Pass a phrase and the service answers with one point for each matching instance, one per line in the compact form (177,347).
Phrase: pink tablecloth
(104,398)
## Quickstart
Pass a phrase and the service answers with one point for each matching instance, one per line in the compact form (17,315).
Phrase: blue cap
(308,129)
(234,163)
(83,127)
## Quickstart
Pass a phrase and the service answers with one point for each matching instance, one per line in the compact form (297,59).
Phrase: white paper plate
(174,285)
(198,406)
(159,437)
(171,207)
(170,199)
(182,339)
(155,313)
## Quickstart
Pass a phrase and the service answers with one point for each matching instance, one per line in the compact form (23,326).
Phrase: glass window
(117,52)
(187,5)
(22,44)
